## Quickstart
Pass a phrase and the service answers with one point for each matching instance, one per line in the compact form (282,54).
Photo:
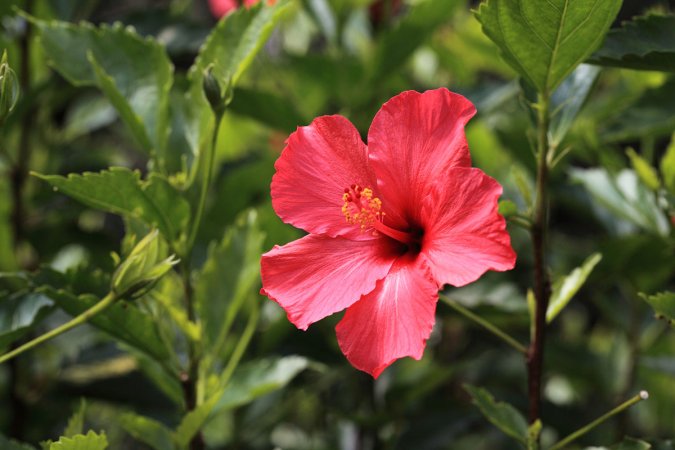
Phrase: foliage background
(326,57)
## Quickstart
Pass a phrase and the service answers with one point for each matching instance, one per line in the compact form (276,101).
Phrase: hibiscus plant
(324,224)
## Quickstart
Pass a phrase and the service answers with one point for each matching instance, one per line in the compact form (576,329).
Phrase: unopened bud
(144,266)
(218,98)
(9,88)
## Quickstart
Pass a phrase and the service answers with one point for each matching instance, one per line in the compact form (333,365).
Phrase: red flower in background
(389,224)
(219,8)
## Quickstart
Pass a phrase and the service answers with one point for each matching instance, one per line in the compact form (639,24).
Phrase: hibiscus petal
(316,276)
(393,321)
(319,162)
(464,235)
(412,142)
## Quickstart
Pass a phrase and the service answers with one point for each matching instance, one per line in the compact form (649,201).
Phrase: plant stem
(643,395)
(82,318)
(542,283)
(240,348)
(485,324)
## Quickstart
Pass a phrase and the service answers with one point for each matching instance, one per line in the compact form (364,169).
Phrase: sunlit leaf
(134,73)
(76,422)
(663,304)
(565,288)
(148,431)
(644,170)
(567,100)
(500,414)
(545,41)
(644,43)
(89,441)
(120,191)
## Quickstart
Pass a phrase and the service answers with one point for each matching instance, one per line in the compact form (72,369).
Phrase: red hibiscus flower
(389,224)
(219,8)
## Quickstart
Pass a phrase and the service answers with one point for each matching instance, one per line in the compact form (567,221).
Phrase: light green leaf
(663,304)
(231,271)
(249,381)
(120,191)
(90,441)
(668,166)
(234,42)
(644,43)
(567,100)
(148,431)
(135,73)
(11,444)
(625,197)
(632,444)
(507,208)
(122,320)
(644,170)
(500,414)
(565,288)
(76,422)
(398,43)
(545,40)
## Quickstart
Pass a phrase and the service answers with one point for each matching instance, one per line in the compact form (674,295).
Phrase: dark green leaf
(122,320)
(7,444)
(397,44)
(133,72)
(644,43)
(663,304)
(652,115)
(270,109)
(20,313)
(625,197)
(545,41)
(500,414)
(565,288)
(229,274)
(90,441)
(148,431)
(121,191)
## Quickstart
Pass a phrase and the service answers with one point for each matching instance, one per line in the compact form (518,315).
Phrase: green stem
(542,283)
(643,395)
(204,188)
(485,324)
(240,348)
(82,318)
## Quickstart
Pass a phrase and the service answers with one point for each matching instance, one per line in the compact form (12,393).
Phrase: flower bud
(144,266)
(9,88)
(214,94)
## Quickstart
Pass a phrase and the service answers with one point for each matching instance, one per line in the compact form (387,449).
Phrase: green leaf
(249,381)
(268,108)
(663,304)
(645,43)
(121,191)
(230,273)
(651,115)
(398,43)
(644,170)
(20,313)
(122,320)
(76,422)
(567,100)
(134,73)
(148,431)
(668,166)
(507,208)
(625,197)
(565,288)
(234,42)
(7,256)
(545,41)
(90,441)
(500,414)
(11,444)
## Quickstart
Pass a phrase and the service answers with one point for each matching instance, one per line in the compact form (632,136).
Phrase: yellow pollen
(360,207)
